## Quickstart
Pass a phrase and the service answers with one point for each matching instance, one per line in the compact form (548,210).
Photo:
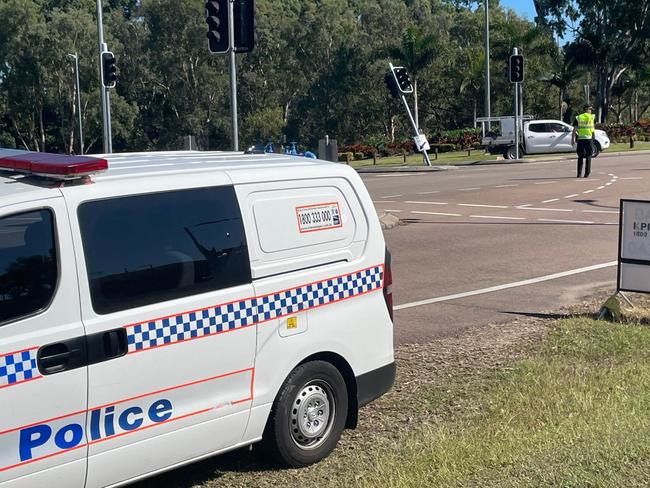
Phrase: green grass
(475,155)
(576,414)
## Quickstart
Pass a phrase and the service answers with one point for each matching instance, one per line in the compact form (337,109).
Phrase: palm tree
(564,74)
(473,77)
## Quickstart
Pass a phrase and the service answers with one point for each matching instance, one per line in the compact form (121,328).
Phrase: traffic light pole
(105,98)
(233,75)
(415,128)
(515,52)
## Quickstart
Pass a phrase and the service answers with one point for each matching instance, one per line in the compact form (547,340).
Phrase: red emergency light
(57,166)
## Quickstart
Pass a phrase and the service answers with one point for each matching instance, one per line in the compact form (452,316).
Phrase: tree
(611,36)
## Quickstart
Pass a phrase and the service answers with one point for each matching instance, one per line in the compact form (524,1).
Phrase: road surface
(542,237)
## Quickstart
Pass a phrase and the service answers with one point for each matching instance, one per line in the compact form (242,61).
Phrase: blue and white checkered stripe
(232,316)
(18,367)
(191,325)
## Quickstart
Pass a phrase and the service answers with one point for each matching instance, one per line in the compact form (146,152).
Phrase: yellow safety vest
(585,125)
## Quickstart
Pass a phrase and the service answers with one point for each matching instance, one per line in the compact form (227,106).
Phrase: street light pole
(487,59)
(75,56)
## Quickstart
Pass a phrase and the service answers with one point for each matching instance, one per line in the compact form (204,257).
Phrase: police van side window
(151,248)
(28,264)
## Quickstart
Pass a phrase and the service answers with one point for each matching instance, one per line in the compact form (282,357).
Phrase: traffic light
(516,68)
(216,15)
(244,14)
(402,79)
(109,70)
(389,79)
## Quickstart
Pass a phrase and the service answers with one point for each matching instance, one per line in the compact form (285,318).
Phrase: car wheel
(308,415)
(595,149)
(510,153)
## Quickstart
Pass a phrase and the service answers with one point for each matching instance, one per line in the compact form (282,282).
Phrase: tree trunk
(560,103)
(41,128)
(475,112)
(392,128)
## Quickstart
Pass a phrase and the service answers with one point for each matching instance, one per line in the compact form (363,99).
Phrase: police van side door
(167,276)
(43,378)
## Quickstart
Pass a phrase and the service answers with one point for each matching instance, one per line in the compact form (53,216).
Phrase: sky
(525,8)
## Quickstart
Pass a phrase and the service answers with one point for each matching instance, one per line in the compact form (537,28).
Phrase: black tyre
(308,415)
(510,152)
(595,149)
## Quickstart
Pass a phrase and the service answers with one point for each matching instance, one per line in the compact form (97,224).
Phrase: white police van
(159,308)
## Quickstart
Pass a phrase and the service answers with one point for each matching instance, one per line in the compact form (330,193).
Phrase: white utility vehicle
(537,137)
(159,308)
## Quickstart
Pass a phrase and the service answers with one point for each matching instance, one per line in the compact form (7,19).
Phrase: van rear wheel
(308,415)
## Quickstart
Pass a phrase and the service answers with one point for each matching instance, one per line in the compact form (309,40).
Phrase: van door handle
(62,356)
(104,346)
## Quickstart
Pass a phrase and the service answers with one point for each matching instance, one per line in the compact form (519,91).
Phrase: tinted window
(555,127)
(150,248)
(28,264)
(537,128)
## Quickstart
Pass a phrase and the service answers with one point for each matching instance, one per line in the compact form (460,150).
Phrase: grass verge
(574,414)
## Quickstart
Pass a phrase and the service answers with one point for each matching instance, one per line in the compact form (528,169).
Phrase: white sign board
(634,246)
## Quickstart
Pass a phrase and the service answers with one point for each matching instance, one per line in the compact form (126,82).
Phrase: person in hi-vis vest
(584,130)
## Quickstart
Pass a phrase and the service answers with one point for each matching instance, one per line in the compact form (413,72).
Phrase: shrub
(358,156)
(442,148)
(345,157)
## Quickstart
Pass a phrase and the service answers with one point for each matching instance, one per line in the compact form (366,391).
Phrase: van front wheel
(308,415)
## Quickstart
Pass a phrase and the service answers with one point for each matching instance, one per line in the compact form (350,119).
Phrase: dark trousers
(584,151)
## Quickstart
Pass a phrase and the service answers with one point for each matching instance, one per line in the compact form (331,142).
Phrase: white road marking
(633,178)
(437,213)
(392,196)
(428,192)
(505,186)
(383,201)
(607,184)
(399,175)
(588,191)
(545,183)
(479,205)
(426,203)
(467,189)
(524,205)
(601,211)
(600,187)
(391,210)
(566,221)
(496,217)
(571,196)
(540,209)
(506,286)
(551,200)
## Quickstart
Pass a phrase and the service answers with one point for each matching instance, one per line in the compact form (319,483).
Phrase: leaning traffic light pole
(399,84)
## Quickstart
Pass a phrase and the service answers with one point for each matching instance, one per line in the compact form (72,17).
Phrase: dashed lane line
(541,209)
(506,286)
(428,192)
(392,196)
(602,211)
(480,205)
(436,213)
(588,191)
(467,189)
(601,187)
(560,221)
(496,217)
(545,183)
(426,203)
(505,186)
(633,178)
(551,200)
(571,196)
(384,201)
(392,210)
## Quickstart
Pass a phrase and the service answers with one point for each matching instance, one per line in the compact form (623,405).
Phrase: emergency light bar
(56,166)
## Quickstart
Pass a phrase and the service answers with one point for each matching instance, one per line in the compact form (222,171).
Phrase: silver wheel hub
(311,415)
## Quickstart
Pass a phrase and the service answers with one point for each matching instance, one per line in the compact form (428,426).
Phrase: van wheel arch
(340,363)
